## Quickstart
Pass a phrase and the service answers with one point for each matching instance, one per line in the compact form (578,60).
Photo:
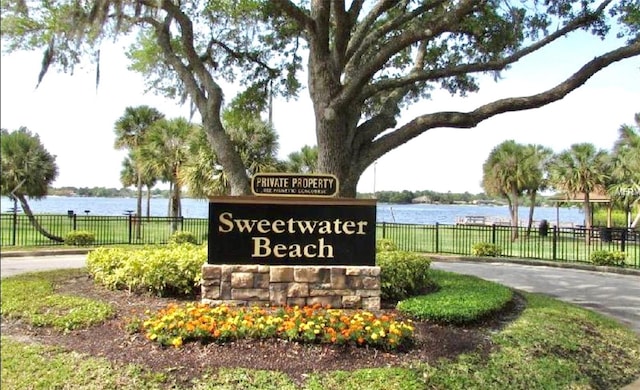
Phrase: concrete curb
(47,252)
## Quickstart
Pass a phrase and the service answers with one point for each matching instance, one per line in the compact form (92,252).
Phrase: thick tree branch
(397,44)
(342,32)
(471,119)
(418,74)
(293,11)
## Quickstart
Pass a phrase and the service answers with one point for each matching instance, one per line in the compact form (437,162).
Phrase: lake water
(198,208)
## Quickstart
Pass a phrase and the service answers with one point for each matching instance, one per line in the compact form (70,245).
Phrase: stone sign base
(338,286)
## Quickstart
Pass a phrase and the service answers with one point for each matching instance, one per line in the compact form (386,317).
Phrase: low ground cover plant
(460,299)
(31,297)
(486,249)
(605,257)
(163,270)
(80,238)
(177,324)
(183,237)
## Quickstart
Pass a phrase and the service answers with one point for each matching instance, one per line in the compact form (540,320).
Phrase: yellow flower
(177,342)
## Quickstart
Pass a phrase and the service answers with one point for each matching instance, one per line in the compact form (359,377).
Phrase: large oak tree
(365,60)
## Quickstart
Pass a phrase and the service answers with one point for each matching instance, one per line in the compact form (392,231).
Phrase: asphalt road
(10,266)
(614,295)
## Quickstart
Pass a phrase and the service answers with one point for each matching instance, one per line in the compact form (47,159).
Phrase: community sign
(291,231)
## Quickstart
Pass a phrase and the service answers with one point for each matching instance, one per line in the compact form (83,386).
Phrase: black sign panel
(291,184)
(252,230)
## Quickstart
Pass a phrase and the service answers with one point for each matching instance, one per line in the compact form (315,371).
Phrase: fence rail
(556,244)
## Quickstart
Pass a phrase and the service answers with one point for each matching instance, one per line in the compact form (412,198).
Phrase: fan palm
(303,161)
(581,169)
(130,130)
(626,167)
(505,175)
(537,158)
(164,154)
(27,170)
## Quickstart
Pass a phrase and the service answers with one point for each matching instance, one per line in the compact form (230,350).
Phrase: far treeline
(398,197)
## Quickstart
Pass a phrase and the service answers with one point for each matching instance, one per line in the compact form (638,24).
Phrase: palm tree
(254,139)
(303,161)
(626,168)
(27,170)
(165,152)
(537,159)
(130,130)
(581,169)
(505,175)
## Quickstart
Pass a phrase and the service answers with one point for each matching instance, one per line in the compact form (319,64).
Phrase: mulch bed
(112,341)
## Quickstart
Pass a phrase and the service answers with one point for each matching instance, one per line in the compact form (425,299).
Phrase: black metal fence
(564,244)
(17,230)
(555,244)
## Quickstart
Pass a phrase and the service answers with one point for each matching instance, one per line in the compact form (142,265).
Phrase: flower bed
(177,324)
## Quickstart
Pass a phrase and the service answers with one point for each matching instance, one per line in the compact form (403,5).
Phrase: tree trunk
(34,222)
(176,205)
(139,207)
(531,210)
(338,150)
(636,220)
(513,209)
(148,202)
(587,218)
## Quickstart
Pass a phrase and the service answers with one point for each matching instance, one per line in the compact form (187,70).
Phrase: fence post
(623,239)
(130,228)
(437,237)
(15,227)
(493,233)
(554,243)
(384,230)
(75,222)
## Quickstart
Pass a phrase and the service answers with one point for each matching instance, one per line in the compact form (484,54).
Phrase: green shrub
(604,257)
(402,274)
(460,299)
(170,270)
(385,245)
(486,249)
(80,238)
(183,238)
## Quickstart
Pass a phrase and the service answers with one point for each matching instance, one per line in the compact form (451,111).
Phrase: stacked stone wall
(338,286)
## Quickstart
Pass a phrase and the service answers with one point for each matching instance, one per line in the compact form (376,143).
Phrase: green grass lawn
(551,345)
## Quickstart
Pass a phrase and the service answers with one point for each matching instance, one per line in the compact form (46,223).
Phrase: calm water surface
(198,208)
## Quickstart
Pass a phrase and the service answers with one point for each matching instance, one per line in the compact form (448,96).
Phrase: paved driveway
(614,295)
(10,266)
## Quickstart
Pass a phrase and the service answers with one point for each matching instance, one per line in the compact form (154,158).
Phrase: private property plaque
(287,231)
(293,184)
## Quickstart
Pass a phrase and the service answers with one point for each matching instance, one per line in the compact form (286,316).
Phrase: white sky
(75,122)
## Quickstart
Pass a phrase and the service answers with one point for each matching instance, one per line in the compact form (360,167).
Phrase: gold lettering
(277,226)
(325,227)
(260,243)
(280,250)
(296,251)
(347,227)
(225,219)
(336,226)
(361,225)
(264,226)
(324,247)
